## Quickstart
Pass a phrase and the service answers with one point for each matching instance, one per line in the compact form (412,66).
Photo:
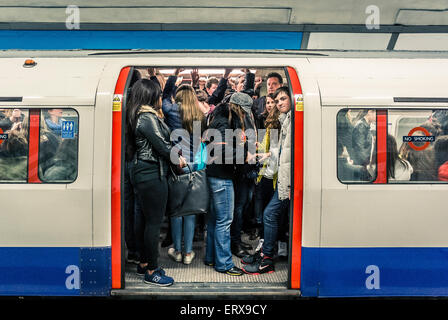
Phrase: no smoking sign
(427,138)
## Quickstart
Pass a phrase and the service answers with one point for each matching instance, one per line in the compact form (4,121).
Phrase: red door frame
(381,146)
(33,152)
(116,241)
(297,181)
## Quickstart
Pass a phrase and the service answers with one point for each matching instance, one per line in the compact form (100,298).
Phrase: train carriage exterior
(347,239)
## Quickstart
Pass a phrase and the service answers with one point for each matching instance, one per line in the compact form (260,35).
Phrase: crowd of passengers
(57,156)
(257,187)
(356,146)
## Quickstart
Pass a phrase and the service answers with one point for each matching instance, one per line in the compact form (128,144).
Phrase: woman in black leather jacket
(150,146)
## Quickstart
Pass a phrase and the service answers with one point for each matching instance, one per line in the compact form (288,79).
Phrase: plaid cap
(242,99)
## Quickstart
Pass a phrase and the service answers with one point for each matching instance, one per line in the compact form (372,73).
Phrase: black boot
(238,251)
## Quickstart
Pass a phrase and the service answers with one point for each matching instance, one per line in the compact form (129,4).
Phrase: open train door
(295,231)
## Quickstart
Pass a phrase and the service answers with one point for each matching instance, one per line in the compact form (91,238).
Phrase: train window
(417,146)
(13,145)
(58,145)
(356,135)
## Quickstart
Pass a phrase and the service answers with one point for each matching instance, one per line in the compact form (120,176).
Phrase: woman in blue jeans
(182,116)
(225,155)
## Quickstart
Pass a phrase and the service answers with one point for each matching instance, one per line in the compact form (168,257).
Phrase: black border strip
(352,28)
(11,99)
(421,99)
(211,51)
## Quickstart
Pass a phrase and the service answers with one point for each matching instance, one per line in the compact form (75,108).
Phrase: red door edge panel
(296,243)
(381,146)
(33,153)
(116,180)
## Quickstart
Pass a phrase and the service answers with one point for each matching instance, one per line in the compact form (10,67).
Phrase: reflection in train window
(356,134)
(13,145)
(58,146)
(420,154)
(416,144)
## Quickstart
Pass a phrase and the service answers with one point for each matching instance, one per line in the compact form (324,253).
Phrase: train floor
(197,280)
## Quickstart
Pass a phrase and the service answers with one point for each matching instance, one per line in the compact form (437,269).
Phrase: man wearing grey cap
(243,100)
(244,179)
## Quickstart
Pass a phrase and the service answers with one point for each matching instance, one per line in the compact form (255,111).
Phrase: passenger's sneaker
(189,257)
(235,271)
(158,278)
(141,270)
(282,249)
(265,265)
(250,259)
(175,255)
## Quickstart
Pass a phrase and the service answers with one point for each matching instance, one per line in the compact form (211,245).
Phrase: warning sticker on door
(116,106)
(299,102)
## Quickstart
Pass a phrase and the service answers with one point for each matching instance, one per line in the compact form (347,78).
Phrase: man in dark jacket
(274,81)
(216,96)
(362,139)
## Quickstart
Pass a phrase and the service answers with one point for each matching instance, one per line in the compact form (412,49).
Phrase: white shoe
(282,249)
(189,257)
(173,254)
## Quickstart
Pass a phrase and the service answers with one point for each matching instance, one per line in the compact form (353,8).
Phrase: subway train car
(355,229)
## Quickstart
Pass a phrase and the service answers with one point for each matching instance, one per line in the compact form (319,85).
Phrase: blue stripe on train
(84,39)
(48,271)
(347,272)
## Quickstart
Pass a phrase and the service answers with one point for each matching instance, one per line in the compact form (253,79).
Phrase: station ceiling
(325,24)
(290,12)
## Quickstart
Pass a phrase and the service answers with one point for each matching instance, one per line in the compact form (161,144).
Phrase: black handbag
(187,193)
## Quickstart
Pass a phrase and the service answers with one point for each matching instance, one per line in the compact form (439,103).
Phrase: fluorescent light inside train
(203,71)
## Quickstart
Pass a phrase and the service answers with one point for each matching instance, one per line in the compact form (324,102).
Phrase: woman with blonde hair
(184,113)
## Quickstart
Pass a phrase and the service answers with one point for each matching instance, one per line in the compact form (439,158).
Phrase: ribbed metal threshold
(199,281)
(212,291)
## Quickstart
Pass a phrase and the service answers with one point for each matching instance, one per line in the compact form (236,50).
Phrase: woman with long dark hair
(397,168)
(150,147)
